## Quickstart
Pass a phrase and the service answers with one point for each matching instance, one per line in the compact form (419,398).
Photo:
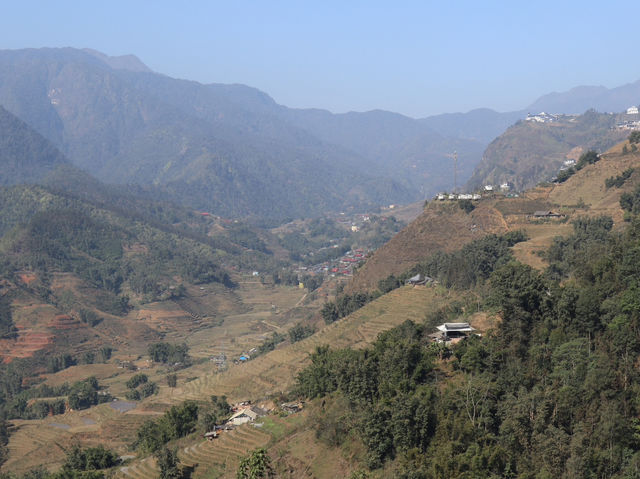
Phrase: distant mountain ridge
(225,148)
(232,149)
(582,98)
(122,62)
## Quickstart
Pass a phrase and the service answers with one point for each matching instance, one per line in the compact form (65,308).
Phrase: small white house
(488,187)
(248,414)
(632,110)
(452,332)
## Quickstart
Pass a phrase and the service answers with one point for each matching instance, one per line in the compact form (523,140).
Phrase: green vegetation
(255,466)
(630,202)
(136,380)
(26,156)
(215,413)
(54,233)
(299,332)
(313,243)
(618,181)
(177,422)
(634,137)
(466,205)
(26,404)
(345,304)
(168,463)
(79,463)
(242,235)
(7,328)
(389,283)
(461,269)
(58,363)
(270,343)
(550,392)
(472,264)
(4,440)
(173,354)
(85,394)
(140,387)
(89,459)
(588,158)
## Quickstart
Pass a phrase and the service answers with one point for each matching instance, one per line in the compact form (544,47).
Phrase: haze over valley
(355,241)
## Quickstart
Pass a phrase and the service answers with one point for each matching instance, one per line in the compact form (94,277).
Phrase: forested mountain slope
(547,391)
(198,144)
(25,156)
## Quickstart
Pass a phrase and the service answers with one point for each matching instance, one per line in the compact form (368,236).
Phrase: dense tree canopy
(549,393)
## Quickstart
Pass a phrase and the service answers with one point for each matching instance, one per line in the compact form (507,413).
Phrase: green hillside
(548,391)
(201,146)
(25,156)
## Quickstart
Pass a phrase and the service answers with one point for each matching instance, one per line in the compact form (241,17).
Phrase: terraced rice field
(40,442)
(260,377)
(275,372)
(207,459)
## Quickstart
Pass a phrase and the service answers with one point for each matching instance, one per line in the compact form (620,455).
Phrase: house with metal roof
(452,332)
(247,414)
(419,279)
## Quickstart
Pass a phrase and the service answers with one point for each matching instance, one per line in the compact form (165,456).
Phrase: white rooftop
(462,327)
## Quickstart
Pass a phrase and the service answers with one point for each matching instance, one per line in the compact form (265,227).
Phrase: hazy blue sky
(413,57)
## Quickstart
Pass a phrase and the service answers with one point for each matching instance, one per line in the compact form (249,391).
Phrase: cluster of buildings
(342,266)
(245,412)
(354,222)
(453,196)
(567,164)
(628,125)
(543,117)
(504,187)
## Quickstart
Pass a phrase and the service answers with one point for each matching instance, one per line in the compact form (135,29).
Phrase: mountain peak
(121,62)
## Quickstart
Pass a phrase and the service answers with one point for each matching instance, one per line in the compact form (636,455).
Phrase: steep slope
(138,127)
(530,151)
(395,146)
(438,228)
(25,156)
(443,226)
(588,189)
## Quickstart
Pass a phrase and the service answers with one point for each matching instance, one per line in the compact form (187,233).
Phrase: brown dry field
(444,227)
(268,374)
